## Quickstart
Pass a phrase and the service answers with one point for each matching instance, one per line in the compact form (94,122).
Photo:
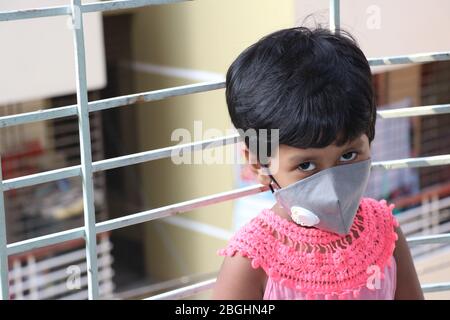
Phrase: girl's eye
(307,166)
(349,156)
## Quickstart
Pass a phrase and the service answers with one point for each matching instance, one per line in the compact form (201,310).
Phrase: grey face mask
(328,199)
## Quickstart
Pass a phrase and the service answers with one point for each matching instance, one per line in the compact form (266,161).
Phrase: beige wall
(435,269)
(43,60)
(201,35)
(386,27)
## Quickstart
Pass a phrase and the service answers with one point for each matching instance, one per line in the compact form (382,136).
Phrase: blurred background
(156,47)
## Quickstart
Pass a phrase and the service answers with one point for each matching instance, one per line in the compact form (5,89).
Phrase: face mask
(328,199)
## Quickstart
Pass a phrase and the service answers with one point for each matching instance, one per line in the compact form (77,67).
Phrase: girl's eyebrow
(358,144)
(297,158)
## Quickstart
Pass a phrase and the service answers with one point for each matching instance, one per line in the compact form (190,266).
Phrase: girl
(322,239)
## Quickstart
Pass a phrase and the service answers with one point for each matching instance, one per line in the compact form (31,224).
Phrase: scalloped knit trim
(318,262)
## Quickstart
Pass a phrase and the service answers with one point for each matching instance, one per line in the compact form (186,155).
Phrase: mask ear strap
(267,171)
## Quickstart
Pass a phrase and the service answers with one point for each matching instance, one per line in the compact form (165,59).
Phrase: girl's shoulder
(239,277)
(250,238)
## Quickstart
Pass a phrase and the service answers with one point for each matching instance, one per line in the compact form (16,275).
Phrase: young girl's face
(291,164)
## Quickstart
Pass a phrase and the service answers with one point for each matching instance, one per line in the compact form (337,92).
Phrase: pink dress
(386,291)
(308,263)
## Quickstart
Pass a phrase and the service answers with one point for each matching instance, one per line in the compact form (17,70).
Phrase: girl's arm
(408,285)
(238,280)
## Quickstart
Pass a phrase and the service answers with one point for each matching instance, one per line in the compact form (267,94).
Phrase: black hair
(314,85)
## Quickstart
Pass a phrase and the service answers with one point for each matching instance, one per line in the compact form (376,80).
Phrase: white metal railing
(85,170)
(31,281)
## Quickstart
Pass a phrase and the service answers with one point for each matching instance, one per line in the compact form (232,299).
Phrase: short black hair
(314,85)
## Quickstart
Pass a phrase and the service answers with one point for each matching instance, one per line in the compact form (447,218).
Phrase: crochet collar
(315,261)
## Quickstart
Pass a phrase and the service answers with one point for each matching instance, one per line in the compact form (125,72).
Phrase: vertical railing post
(85,151)
(335,15)
(4,271)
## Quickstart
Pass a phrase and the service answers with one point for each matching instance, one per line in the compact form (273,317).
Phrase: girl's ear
(255,166)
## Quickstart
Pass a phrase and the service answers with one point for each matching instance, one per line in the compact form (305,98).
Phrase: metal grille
(87,167)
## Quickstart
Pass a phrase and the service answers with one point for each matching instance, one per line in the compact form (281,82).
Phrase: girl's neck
(280,211)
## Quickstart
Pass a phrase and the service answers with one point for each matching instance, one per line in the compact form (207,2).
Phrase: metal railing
(86,169)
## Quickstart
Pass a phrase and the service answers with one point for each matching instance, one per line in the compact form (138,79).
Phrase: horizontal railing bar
(413,162)
(71,110)
(162,153)
(34,13)
(411,58)
(42,177)
(414,111)
(184,291)
(180,207)
(117,162)
(435,287)
(155,95)
(141,157)
(85,8)
(46,240)
(436,238)
(161,212)
(129,220)
(39,115)
(103,104)
(123,4)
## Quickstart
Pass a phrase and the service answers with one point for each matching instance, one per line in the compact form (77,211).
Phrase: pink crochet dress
(308,263)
